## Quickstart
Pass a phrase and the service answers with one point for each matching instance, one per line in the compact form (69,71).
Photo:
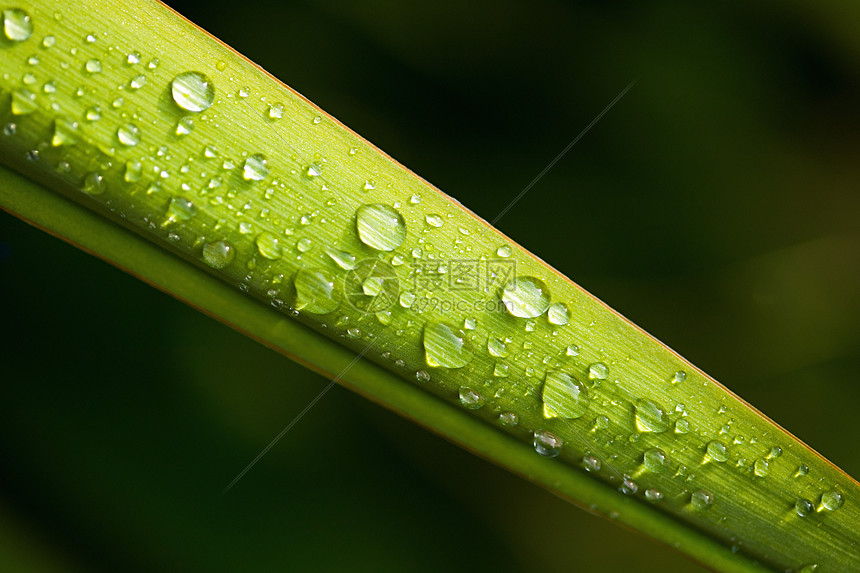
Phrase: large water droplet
(255,168)
(650,417)
(17,25)
(445,347)
(558,314)
(547,444)
(470,399)
(702,500)
(526,297)
(218,254)
(717,451)
(563,396)
(269,245)
(128,134)
(315,292)
(380,226)
(192,91)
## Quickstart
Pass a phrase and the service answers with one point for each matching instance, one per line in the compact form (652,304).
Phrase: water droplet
(184,126)
(832,500)
(774,453)
(304,245)
(598,371)
(803,507)
(628,486)
(93,114)
(276,111)
(137,82)
(315,292)
(445,347)
(558,314)
(563,396)
(422,376)
(470,323)
(218,254)
(49,88)
(180,209)
(717,451)
(810,568)
(93,66)
(496,347)
(380,227)
(269,245)
(93,184)
(23,102)
(504,251)
(255,168)
(500,370)
(802,470)
(434,220)
(192,91)
(128,134)
(10,129)
(655,460)
(65,132)
(702,500)
(470,399)
(343,259)
(508,419)
(526,297)
(760,467)
(90,39)
(407,299)
(133,58)
(547,444)
(650,417)
(313,170)
(591,463)
(49,42)
(571,350)
(682,426)
(243,92)
(17,25)
(678,377)
(653,495)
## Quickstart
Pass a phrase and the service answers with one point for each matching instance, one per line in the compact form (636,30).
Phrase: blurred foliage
(715,205)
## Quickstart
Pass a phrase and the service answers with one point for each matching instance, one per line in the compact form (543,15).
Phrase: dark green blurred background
(716,205)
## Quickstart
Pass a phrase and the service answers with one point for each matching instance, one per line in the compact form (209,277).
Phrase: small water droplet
(380,226)
(803,507)
(628,486)
(774,453)
(558,314)
(760,467)
(655,460)
(133,58)
(49,88)
(313,170)
(343,259)
(184,126)
(679,377)
(650,417)
(682,426)
(434,220)
(23,102)
(422,376)
(128,134)
(90,39)
(137,82)
(563,396)
(547,444)
(93,66)
(832,500)
(315,292)
(407,299)
(276,111)
(471,399)
(10,129)
(500,370)
(93,184)
(571,350)
(445,347)
(526,297)
(802,470)
(269,245)
(598,371)
(192,91)
(49,42)
(496,347)
(133,171)
(304,245)
(717,451)
(653,495)
(218,254)
(591,463)
(180,209)
(470,323)
(508,419)
(702,500)
(255,168)
(504,251)
(17,25)
(65,132)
